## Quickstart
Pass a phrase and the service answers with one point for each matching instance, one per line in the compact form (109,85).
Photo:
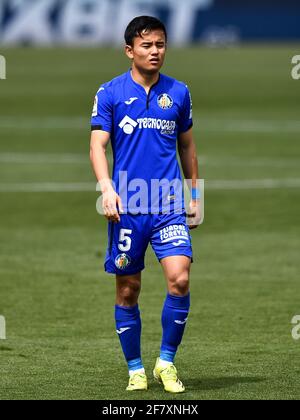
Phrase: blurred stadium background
(56,299)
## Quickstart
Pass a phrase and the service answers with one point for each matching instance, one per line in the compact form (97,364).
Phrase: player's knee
(179,285)
(132,290)
(129,293)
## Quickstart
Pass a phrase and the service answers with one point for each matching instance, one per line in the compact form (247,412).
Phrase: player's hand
(112,206)
(194,214)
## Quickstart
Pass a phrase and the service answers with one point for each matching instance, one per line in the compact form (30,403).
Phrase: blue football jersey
(144,129)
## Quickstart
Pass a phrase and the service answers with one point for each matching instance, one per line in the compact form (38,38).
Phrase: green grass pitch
(58,302)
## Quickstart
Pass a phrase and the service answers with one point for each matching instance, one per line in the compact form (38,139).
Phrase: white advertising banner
(91,22)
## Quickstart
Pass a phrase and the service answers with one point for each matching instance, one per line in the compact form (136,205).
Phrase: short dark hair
(140,24)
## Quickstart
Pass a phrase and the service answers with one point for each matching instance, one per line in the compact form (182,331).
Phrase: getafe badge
(165,101)
(122,261)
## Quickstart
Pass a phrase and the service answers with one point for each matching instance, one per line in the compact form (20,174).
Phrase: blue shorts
(128,240)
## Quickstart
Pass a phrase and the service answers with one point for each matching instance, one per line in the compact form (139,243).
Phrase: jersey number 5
(125,240)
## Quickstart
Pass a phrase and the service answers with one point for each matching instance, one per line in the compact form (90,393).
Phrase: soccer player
(146,115)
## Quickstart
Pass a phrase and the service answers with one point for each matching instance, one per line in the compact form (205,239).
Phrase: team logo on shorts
(122,261)
(165,101)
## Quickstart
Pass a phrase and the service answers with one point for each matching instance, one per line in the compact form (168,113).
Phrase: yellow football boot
(167,375)
(137,382)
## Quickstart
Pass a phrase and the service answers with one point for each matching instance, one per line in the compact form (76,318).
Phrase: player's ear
(129,51)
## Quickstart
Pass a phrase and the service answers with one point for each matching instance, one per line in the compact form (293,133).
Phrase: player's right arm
(99,142)
(101,128)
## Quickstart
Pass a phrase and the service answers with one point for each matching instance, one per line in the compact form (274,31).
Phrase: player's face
(148,51)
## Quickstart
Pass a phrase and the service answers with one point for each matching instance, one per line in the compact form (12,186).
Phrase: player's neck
(144,79)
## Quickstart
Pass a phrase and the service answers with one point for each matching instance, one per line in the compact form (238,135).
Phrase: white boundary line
(55,123)
(52,187)
(43,158)
(252,184)
(209,185)
(73,158)
(211,125)
(252,126)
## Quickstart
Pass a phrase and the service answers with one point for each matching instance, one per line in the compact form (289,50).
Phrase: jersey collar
(140,87)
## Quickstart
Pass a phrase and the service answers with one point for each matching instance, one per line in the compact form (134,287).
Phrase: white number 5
(125,238)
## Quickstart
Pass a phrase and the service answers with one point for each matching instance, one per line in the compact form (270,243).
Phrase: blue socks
(129,328)
(174,318)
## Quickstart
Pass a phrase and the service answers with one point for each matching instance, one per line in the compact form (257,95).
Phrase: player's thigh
(127,244)
(177,273)
(171,237)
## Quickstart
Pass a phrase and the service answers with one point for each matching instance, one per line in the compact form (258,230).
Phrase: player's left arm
(189,162)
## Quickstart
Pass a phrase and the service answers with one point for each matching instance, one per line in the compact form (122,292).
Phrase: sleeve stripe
(96,127)
(188,128)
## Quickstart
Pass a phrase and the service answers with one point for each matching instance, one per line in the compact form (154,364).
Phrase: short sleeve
(186,113)
(102,111)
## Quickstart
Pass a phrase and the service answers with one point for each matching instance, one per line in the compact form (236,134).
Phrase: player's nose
(154,51)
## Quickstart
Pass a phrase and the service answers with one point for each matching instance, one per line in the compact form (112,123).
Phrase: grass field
(58,302)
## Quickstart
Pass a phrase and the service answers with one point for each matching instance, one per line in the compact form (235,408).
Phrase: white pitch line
(252,126)
(52,187)
(211,125)
(248,162)
(69,123)
(72,158)
(43,158)
(252,184)
(209,185)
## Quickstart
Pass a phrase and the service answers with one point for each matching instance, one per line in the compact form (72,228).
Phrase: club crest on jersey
(122,261)
(165,101)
